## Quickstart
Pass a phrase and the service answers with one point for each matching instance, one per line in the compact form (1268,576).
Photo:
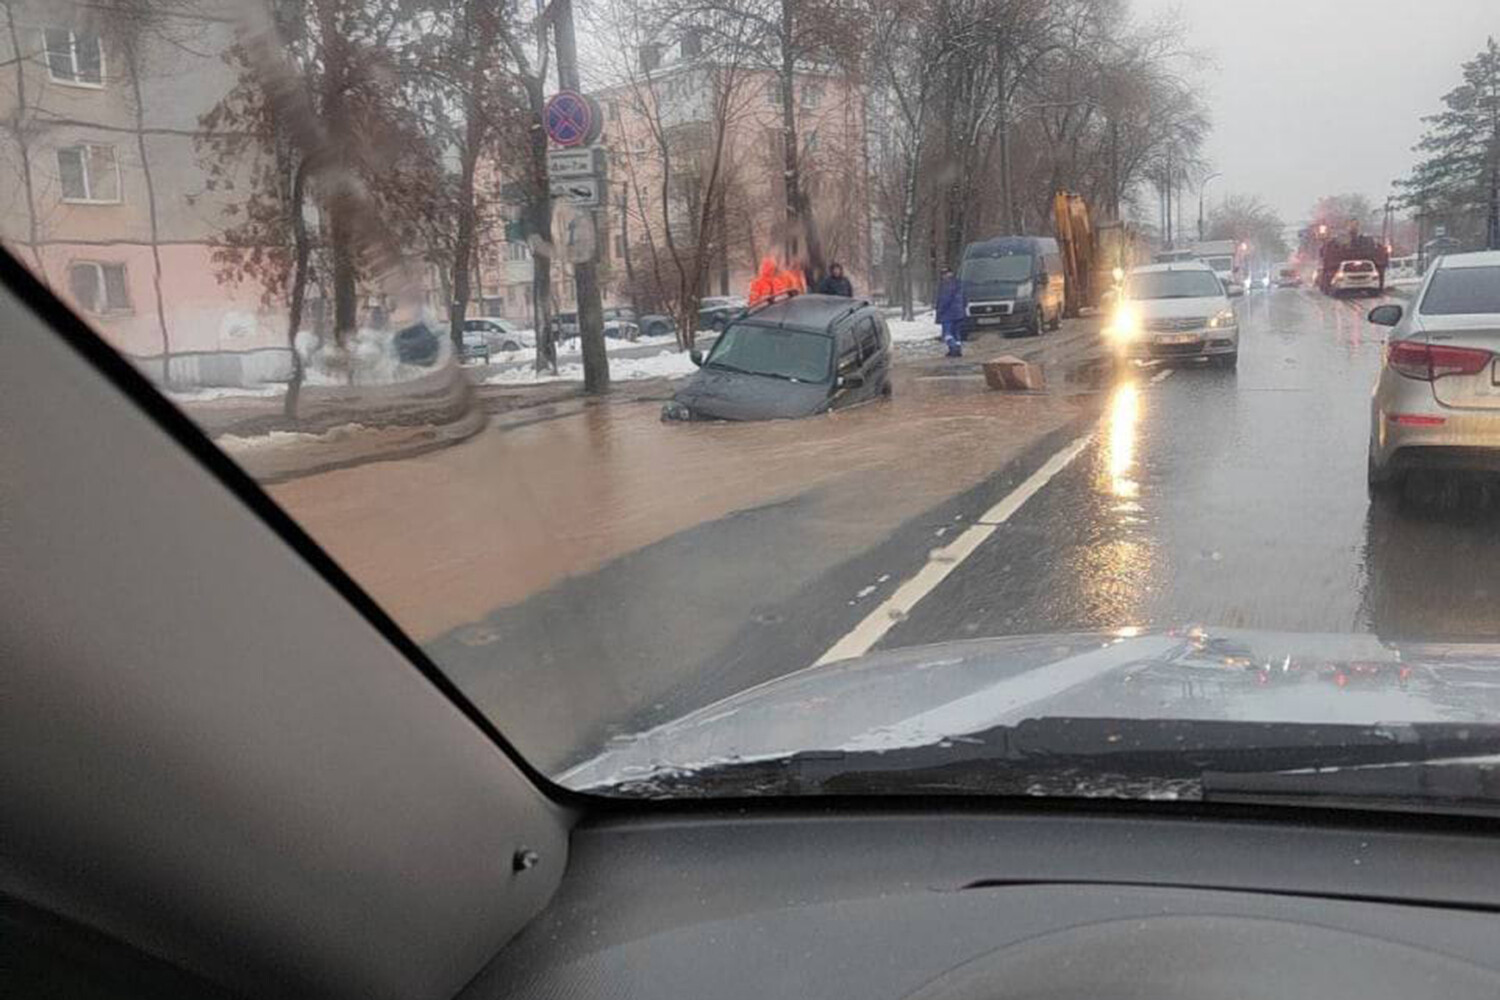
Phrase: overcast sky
(1315,97)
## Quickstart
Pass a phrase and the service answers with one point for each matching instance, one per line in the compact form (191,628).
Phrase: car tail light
(1428,362)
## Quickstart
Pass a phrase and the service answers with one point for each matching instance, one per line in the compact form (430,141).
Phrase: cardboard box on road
(1013,374)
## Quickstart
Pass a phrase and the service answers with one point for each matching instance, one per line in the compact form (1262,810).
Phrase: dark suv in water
(791,357)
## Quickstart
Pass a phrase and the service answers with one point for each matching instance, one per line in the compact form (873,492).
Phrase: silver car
(1436,404)
(1175,311)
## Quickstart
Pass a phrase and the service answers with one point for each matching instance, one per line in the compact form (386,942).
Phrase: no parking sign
(571,119)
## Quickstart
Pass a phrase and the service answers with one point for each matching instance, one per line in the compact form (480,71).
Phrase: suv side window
(849,353)
(868,338)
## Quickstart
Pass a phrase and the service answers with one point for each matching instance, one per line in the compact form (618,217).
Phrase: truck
(1224,257)
(1352,245)
(1091,252)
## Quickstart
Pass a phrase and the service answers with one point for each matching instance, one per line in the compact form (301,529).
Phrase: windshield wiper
(721,366)
(1078,756)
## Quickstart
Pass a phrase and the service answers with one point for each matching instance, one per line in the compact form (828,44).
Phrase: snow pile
(666,364)
(910,331)
(210,392)
(232,443)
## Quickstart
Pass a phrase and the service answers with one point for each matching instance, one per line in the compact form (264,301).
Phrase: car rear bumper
(1411,430)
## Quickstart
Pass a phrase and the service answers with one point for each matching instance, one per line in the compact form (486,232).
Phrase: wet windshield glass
(763,350)
(1173,285)
(987,269)
(451,280)
(1464,290)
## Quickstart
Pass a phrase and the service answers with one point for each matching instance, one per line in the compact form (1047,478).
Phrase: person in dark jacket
(952,306)
(834,283)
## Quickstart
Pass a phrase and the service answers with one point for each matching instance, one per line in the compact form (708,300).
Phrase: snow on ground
(665,364)
(233,443)
(205,393)
(910,331)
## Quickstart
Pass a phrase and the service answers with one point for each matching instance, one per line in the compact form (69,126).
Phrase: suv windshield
(450,278)
(764,350)
(1173,285)
(1463,290)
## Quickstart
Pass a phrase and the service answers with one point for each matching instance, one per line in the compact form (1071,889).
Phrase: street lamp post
(1201,185)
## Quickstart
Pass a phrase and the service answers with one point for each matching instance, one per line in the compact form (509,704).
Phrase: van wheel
(1034,327)
(1056,323)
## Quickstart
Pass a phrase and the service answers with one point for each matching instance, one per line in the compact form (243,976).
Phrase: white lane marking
(1162,375)
(941,562)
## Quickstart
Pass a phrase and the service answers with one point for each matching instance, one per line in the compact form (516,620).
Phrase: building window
(89,173)
(812,94)
(773,92)
(613,110)
(98,288)
(517,251)
(74,57)
(811,145)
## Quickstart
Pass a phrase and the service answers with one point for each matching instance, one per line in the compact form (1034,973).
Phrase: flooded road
(621,572)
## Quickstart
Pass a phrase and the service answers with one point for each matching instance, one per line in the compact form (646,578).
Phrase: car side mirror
(1386,315)
(696,357)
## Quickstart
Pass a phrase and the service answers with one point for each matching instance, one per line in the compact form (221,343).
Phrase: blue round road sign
(569,119)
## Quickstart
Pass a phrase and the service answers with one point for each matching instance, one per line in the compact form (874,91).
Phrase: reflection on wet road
(1235,499)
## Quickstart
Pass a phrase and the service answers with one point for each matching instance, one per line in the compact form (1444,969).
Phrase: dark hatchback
(792,357)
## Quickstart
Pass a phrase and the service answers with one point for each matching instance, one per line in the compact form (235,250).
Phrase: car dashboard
(954,907)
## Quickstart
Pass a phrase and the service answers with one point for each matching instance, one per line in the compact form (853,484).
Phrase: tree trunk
(301,251)
(538,216)
(463,240)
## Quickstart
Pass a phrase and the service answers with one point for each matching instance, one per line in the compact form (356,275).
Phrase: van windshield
(984,270)
(764,350)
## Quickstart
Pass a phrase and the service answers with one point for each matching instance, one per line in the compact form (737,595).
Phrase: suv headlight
(673,410)
(1223,319)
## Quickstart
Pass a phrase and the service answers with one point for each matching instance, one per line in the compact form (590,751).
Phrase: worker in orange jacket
(763,285)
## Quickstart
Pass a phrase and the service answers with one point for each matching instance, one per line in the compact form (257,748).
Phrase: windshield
(764,350)
(1173,285)
(1463,290)
(982,270)
(526,313)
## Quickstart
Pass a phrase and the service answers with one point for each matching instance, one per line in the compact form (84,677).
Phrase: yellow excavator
(1093,254)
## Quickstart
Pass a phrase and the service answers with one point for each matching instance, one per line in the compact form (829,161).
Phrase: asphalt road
(704,559)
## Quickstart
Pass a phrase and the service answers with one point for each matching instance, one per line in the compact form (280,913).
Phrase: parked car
(564,326)
(1436,403)
(621,329)
(501,334)
(790,358)
(1359,277)
(657,325)
(1287,276)
(1178,310)
(476,346)
(715,311)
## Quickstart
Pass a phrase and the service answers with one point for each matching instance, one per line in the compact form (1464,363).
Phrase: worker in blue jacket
(952,307)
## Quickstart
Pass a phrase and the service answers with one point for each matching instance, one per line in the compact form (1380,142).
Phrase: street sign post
(578,192)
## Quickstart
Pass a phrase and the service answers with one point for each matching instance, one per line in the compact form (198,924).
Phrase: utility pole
(1201,185)
(585,272)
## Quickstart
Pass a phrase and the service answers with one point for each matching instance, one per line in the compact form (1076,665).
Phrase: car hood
(924,695)
(721,395)
(1179,308)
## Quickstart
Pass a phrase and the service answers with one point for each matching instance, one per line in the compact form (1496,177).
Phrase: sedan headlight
(673,410)
(1124,326)
(1223,319)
